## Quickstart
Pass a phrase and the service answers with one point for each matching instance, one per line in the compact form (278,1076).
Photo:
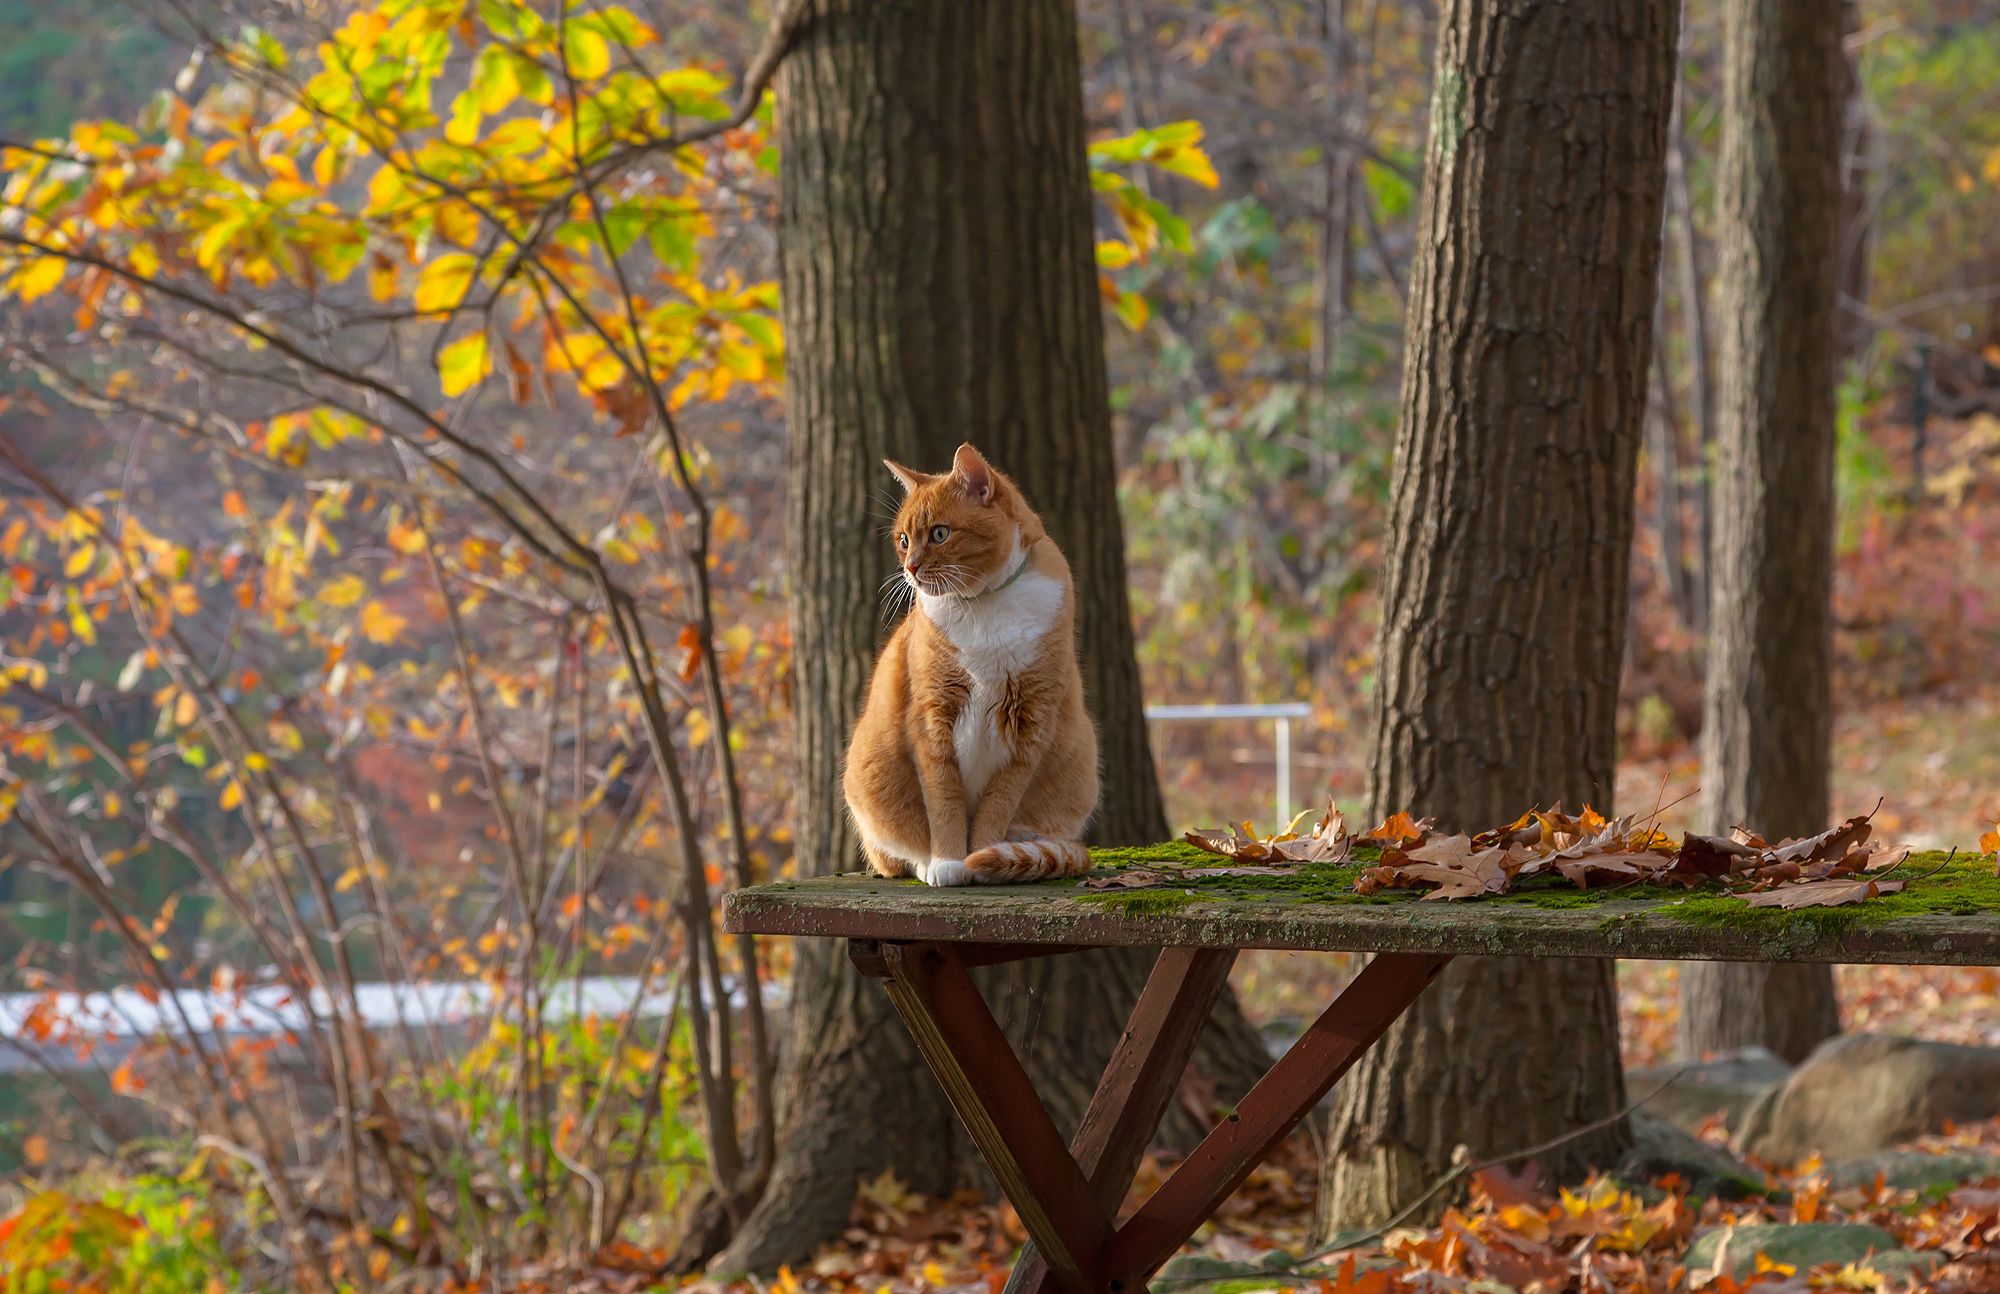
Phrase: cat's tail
(1025,856)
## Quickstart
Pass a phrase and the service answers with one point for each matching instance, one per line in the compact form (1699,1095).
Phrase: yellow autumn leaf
(39,278)
(463,363)
(80,561)
(381,278)
(343,592)
(185,709)
(348,880)
(186,601)
(381,625)
(443,282)
(232,795)
(406,539)
(586,53)
(80,622)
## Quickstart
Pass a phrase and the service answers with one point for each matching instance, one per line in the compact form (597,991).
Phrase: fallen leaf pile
(1273,855)
(1840,865)
(1327,842)
(1511,1231)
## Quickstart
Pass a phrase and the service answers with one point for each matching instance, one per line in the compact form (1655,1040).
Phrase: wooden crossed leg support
(1066,1195)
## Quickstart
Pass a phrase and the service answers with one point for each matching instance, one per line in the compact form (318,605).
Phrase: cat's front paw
(947,871)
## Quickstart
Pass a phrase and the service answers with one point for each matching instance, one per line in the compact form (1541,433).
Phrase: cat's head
(960,531)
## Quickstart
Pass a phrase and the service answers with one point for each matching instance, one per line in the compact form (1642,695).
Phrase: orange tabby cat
(975,759)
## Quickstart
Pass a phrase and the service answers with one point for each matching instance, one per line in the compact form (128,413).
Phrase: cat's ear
(910,477)
(970,473)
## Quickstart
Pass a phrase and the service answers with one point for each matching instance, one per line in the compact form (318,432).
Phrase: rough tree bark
(939,285)
(1504,589)
(1768,710)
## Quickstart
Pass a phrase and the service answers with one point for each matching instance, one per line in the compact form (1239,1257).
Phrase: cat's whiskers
(897,594)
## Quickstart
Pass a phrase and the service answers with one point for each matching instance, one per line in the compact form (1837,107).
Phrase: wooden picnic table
(921,942)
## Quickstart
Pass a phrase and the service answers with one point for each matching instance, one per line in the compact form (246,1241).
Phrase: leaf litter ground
(1509,1232)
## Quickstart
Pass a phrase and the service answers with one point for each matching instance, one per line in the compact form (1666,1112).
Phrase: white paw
(947,871)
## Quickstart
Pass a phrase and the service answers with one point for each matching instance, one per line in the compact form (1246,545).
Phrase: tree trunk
(1860,161)
(1768,710)
(1686,259)
(939,285)
(1333,268)
(1504,590)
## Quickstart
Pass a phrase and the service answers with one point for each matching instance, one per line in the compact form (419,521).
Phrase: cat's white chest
(996,637)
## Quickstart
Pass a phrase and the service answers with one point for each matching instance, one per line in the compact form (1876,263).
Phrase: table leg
(1139,1080)
(996,1102)
(1356,1019)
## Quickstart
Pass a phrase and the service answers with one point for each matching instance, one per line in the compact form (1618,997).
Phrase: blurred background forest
(372,714)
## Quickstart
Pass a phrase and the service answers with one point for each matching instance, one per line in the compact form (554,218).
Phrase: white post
(1284,770)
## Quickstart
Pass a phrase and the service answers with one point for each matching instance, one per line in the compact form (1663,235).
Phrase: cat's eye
(940,533)
(902,540)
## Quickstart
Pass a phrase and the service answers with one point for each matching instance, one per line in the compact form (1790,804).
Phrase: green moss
(1965,884)
(1153,902)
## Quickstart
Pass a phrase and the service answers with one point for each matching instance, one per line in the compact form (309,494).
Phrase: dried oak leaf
(1131,878)
(1828,845)
(1395,830)
(1612,867)
(1139,878)
(1822,894)
(1452,865)
(1701,857)
(1328,841)
(1238,841)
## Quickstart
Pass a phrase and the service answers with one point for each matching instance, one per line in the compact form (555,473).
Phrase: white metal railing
(1283,712)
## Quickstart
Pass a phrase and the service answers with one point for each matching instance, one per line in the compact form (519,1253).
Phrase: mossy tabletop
(1947,914)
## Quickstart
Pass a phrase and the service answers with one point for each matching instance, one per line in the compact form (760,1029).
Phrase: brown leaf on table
(1888,858)
(1328,842)
(1709,856)
(1451,882)
(1822,894)
(1395,830)
(1131,878)
(1616,867)
(1238,841)
(1450,864)
(1450,851)
(1830,844)
(1139,878)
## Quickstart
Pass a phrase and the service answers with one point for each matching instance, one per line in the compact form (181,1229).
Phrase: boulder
(1659,1148)
(1913,1170)
(1860,1093)
(1733,1251)
(1727,1085)
(1209,1274)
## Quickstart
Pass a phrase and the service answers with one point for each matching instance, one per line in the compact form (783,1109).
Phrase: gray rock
(1659,1148)
(1208,1274)
(1805,1245)
(1912,1170)
(1726,1085)
(1907,1264)
(1860,1093)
